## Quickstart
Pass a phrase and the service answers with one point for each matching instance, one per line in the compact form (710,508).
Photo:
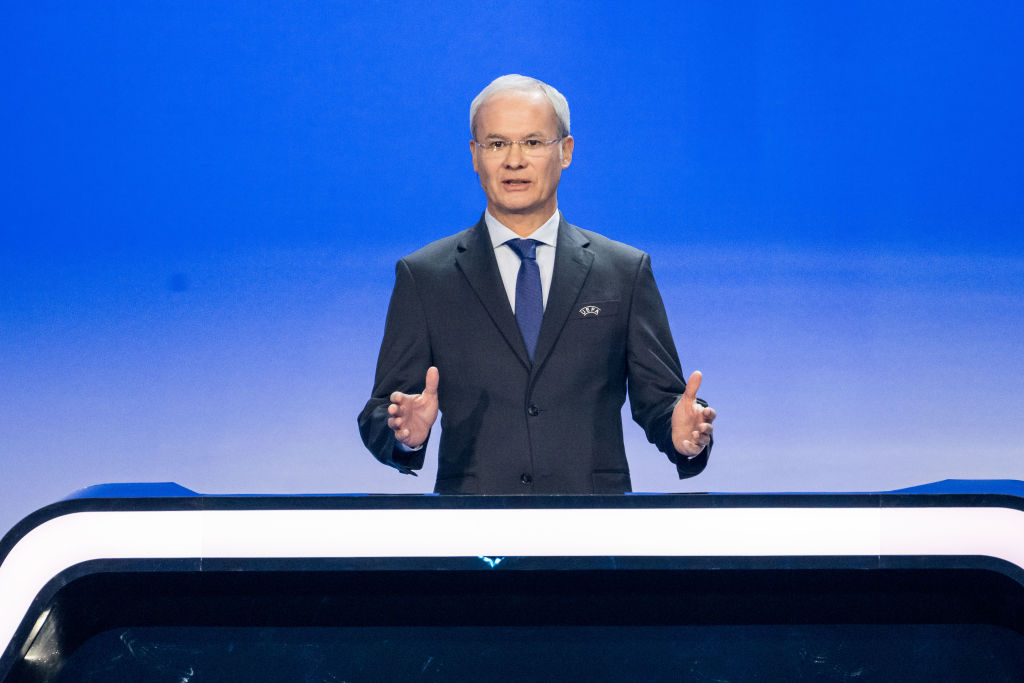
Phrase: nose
(516,157)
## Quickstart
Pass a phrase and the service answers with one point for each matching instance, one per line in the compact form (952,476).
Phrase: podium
(156,582)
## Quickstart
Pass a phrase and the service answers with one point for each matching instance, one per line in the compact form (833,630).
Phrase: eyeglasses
(529,146)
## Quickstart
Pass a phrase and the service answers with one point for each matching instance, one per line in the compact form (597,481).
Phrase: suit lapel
(475,257)
(572,264)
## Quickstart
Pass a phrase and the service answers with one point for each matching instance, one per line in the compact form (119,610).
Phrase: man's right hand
(412,415)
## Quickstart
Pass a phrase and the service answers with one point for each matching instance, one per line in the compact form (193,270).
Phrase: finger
(690,448)
(710,414)
(701,438)
(394,422)
(433,377)
(397,397)
(692,385)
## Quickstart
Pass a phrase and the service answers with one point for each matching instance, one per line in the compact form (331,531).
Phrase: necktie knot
(525,248)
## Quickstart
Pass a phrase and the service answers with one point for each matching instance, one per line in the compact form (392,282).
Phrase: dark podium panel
(156,583)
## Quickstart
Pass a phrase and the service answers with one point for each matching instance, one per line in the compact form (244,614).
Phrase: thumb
(692,385)
(433,377)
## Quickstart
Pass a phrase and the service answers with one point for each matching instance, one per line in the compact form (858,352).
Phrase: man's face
(520,186)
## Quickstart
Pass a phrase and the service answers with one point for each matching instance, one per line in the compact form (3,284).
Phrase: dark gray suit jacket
(511,426)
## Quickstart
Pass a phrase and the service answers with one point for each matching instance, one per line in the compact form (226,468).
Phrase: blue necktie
(529,298)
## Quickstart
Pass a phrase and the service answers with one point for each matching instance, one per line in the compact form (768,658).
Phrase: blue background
(202,206)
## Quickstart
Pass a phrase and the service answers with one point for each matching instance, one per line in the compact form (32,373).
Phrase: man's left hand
(691,422)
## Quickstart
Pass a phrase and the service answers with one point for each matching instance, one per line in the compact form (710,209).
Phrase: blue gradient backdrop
(202,206)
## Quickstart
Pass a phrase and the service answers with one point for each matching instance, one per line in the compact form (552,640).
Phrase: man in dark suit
(527,333)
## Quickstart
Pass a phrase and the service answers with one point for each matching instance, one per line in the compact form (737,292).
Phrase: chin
(520,210)
(521,204)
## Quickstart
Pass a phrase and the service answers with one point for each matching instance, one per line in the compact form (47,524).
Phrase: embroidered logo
(589,310)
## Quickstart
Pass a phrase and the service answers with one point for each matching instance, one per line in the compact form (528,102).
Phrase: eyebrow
(495,136)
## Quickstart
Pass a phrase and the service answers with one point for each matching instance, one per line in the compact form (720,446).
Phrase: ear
(472,151)
(567,145)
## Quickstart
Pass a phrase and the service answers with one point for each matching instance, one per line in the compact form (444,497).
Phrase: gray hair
(517,83)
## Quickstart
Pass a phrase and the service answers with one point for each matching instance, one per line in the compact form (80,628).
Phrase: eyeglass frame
(522,144)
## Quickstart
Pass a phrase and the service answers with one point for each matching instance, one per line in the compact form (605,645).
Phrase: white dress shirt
(508,260)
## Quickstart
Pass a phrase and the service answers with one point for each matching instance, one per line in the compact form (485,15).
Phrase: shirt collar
(500,233)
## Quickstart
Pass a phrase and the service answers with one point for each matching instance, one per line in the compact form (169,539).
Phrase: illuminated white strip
(65,541)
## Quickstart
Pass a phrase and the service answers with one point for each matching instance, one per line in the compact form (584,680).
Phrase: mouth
(515,183)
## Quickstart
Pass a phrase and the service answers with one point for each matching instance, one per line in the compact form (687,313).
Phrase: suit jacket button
(526,479)
(533,411)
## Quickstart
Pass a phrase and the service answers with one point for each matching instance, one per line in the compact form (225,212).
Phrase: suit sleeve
(401,366)
(655,379)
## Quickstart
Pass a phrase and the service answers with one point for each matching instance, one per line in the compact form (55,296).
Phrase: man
(527,332)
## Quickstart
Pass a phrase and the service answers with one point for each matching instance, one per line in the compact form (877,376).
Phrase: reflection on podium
(154,582)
